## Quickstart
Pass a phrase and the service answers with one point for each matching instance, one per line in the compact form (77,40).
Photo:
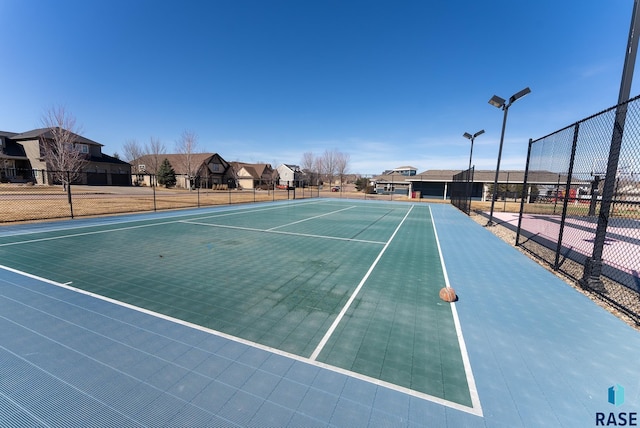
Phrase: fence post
(525,194)
(469,188)
(593,265)
(153,187)
(567,193)
(69,192)
(506,194)
(557,193)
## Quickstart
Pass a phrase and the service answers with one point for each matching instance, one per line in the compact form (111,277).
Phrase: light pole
(498,102)
(470,137)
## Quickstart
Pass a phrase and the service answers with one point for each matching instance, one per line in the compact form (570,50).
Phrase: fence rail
(559,218)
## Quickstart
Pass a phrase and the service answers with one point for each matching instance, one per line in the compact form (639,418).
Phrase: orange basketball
(448,294)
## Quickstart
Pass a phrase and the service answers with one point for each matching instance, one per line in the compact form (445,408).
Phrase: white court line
(311,218)
(333,327)
(280,232)
(476,409)
(227,336)
(95,232)
(117,229)
(471,383)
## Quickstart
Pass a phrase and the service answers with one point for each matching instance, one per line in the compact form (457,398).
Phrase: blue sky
(391,83)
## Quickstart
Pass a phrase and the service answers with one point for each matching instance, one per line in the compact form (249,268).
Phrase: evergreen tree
(362,185)
(166,174)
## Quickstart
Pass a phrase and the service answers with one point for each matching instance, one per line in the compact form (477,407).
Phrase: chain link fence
(461,190)
(28,201)
(565,206)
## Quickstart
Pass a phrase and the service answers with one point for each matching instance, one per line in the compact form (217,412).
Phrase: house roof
(176,160)
(259,168)
(292,167)
(391,176)
(46,133)
(7,134)
(251,171)
(108,159)
(479,176)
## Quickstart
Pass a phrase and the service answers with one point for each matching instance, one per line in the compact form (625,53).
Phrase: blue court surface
(536,353)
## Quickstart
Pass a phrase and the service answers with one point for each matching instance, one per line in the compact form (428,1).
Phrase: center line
(310,218)
(329,332)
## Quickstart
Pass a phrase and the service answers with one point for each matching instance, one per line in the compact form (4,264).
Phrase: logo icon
(616,395)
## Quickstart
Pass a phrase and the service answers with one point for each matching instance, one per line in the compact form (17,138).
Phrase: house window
(142,168)
(82,148)
(216,167)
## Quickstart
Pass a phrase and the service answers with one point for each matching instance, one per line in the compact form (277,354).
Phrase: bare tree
(329,164)
(154,149)
(186,147)
(308,161)
(342,165)
(60,147)
(132,150)
(308,165)
(318,167)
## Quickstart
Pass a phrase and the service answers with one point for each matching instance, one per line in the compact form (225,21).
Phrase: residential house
(22,157)
(14,164)
(203,170)
(254,175)
(394,180)
(290,175)
(406,171)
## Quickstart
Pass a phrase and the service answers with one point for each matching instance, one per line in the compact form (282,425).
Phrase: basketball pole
(593,266)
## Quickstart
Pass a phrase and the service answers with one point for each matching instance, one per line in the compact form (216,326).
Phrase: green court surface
(346,284)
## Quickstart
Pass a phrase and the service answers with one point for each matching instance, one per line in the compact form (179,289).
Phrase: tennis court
(348,285)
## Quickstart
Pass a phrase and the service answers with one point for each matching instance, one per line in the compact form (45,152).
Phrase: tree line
(329,167)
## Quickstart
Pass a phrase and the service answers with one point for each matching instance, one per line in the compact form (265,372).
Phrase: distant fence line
(28,202)
(35,202)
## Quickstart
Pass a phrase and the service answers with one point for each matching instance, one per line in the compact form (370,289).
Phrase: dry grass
(45,203)
(24,203)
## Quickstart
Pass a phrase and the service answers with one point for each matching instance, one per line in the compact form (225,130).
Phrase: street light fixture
(498,102)
(470,137)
